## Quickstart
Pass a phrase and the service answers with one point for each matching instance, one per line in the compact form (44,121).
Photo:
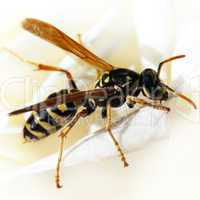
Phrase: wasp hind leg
(117,145)
(44,67)
(71,82)
(64,132)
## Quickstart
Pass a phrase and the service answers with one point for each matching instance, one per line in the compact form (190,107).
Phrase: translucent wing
(71,97)
(55,36)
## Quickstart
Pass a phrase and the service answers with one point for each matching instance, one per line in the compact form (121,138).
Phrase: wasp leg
(135,100)
(44,67)
(58,167)
(63,134)
(104,112)
(108,128)
(72,84)
(80,39)
(82,43)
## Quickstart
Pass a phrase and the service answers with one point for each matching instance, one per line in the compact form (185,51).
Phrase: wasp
(114,87)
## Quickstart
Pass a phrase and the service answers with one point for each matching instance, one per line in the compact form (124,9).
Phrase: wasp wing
(55,36)
(71,97)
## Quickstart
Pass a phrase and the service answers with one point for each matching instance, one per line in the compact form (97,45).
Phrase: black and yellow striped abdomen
(49,121)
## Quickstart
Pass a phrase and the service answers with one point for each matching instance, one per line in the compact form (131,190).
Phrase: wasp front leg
(155,105)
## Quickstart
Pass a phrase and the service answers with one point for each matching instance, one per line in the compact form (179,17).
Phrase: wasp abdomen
(41,124)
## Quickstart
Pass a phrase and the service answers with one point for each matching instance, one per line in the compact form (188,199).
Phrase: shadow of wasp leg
(143,102)
(82,43)
(108,128)
(65,130)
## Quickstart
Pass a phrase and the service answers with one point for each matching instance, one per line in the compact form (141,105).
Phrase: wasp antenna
(168,60)
(182,96)
(186,99)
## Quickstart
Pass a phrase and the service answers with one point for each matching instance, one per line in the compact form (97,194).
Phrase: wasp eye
(159,93)
(165,96)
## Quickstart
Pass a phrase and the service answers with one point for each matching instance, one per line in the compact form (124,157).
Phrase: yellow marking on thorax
(62,107)
(101,83)
(107,79)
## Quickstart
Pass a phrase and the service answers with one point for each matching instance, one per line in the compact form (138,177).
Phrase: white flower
(128,34)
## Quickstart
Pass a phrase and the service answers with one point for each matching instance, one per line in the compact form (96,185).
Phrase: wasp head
(155,89)
(152,86)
